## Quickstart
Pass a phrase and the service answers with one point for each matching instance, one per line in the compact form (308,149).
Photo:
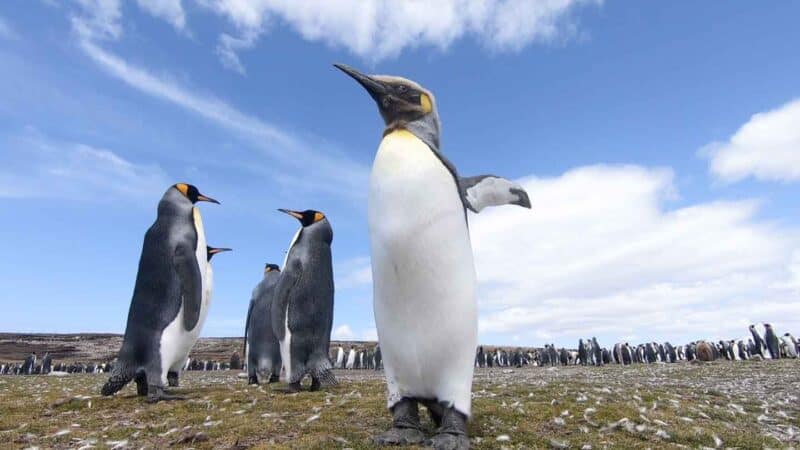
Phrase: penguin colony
(424,291)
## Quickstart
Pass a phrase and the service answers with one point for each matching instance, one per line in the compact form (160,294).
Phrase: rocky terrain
(742,404)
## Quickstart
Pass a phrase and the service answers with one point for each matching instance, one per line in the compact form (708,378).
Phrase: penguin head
(401,102)
(192,194)
(752,327)
(211,251)
(307,218)
(397,98)
(269,267)
(767,326)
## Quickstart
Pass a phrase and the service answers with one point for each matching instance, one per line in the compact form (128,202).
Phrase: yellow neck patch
(425,102)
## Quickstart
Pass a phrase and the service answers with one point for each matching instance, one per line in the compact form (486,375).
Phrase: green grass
(745,404)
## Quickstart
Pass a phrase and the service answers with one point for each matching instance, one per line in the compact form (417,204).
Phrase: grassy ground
(717,405)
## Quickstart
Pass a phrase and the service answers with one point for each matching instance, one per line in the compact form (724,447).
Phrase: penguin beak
(214,251)
(375,88)
(294,214)
(203,198)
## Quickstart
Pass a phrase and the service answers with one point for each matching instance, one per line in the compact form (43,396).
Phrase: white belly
(176,342)
(423,274)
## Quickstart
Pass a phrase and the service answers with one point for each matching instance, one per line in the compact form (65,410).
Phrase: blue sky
(659,144)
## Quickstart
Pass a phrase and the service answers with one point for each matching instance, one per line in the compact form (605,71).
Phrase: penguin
(787,343)
(759,344)
(351,359)
(168,301)
(339,358)
(582,353)
(378,358)
(262,349)
(302,308)
(772,342)
(47,364)
(208,285)
(422,265)
(597,352)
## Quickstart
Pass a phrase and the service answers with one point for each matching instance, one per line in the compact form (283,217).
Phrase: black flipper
(280,299)
(185,263)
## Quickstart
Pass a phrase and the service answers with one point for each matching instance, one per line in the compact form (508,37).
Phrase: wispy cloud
(35,165)
(767,147)
(378,29)
(330,172)
(6,31)
(168,10)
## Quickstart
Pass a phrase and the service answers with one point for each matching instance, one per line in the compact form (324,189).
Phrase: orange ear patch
(318,216)
(183,188)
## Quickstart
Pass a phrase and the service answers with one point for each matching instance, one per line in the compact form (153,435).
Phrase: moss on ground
(723,404)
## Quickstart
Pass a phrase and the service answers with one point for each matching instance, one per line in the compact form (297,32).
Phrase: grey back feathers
(262,347)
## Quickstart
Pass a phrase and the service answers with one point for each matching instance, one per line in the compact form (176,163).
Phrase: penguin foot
(294,388)
(315,385)
(399,436)
(273,379)
(452,434)
(172,379)
(252,379)
(406,428)
(446,441)
(156,394)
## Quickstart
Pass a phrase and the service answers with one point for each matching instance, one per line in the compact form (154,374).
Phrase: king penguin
(191,338)
(772,342)
(424,284)
(302,309)
(168,296)
(262,349)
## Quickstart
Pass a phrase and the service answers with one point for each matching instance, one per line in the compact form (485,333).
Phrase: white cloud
(168,10)
(604,256)
(767,147)
(378,29)
(343,333)
(353,273)
(229,45)
(101,21)
(56,169)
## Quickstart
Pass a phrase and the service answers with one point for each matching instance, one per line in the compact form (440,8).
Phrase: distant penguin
(789,345)
(339,358)
(351,359)
(29,365)
(773,344)
(705,351)
(47,364)
(422,263)
(582,353)
(597,352)
(759,344)
(169,297)
(302,311)
(378,358)
(262,349)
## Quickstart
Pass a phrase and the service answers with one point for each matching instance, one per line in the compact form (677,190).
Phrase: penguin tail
(120,376)
(322,371)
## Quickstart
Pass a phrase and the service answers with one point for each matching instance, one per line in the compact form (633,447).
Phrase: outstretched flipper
(490,190)
(185,263)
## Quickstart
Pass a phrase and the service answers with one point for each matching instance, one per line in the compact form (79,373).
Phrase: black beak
(215,250)
(375,88)
(295,214)
(203,198)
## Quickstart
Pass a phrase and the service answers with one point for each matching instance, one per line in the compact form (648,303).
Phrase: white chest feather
(423,274)
(176,341)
